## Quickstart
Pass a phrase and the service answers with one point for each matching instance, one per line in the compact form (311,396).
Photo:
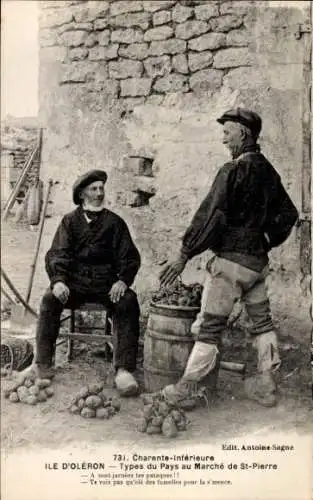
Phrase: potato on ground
(75,410)
(93,402)
(42,383)
(116,403)
(49,391)
(82,393)
(102,413)
(88,412)
(169,428)
(142,425)
(95,388)
(34,390)
(42,396)
(14,397)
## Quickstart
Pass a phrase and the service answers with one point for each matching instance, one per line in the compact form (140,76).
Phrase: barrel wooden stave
(167,345)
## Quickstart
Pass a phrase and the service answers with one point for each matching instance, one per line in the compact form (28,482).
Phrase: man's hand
(169,274)
(117,291)
(61,291)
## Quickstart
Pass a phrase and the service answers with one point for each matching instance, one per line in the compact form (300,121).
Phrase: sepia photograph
(156,250)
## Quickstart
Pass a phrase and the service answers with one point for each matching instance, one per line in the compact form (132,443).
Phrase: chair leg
(70,342)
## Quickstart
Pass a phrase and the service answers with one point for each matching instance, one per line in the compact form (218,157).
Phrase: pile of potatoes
(161,417)
(179,294)
(93,402)
(30,390)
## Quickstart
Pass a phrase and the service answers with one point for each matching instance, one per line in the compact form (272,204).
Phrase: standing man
(92,259)
(246,213)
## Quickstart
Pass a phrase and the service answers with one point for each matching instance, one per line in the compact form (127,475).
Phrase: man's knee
(128,302)
(49,303)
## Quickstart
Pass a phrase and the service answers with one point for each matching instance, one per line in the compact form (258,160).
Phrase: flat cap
(84,181)
(246,117)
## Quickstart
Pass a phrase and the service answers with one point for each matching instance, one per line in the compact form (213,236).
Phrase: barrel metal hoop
(173,311)
(167,335)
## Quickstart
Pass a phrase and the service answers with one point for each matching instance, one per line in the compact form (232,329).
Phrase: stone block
(129,103)
(162,17)
(171,83)
(111,88)
(73,38)
(181,13)
(206,11)
(136,19)
(210,41)
(100,24)
(129,35)
(180,63)
(48,38)
(77,54)
(236,7)
(190,29)
(134,87)
(123,7)
(232,58)
(104,53)
(91,40)
(238,38)
(246,78)
(160,33)
(90,11)
(155,5)
(77,72)
(54,18)
(134,51)
(199,60)
(206,79)
(74,26)
(171,46)
(158,66)
(225,23)
(124,68)
(104,38)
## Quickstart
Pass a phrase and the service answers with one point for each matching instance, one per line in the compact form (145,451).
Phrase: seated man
(92,259)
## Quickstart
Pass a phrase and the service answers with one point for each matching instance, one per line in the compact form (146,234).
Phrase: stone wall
(135,87)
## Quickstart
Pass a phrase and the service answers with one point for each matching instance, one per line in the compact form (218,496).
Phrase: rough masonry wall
(135,87)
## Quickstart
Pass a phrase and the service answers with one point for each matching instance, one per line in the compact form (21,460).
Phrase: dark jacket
(89,258)
(246,200)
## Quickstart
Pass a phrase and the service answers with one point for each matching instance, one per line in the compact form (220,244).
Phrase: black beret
(246,117)
(84,181)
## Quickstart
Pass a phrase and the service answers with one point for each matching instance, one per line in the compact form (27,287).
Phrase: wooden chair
(108,336)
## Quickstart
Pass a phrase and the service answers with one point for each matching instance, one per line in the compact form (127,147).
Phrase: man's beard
(93,208)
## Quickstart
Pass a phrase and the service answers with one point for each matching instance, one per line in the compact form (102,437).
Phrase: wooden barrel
(167,344)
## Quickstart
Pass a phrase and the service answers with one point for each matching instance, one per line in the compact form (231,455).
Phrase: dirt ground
(229,414)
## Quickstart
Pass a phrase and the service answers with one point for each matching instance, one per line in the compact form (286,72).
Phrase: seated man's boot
(261,387)
(36,370)
(201,363)
(125,383)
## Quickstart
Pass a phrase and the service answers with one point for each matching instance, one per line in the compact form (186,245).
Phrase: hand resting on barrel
(169,274)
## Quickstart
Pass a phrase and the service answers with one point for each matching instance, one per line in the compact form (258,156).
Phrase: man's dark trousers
(125,315)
